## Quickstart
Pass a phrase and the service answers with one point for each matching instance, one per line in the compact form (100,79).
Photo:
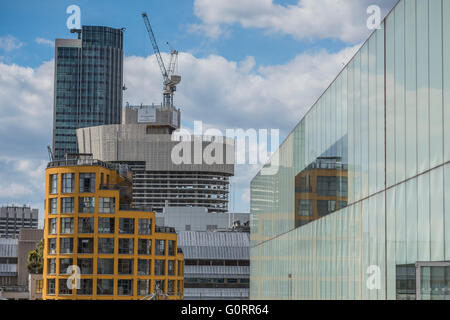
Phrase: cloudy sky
(244,64)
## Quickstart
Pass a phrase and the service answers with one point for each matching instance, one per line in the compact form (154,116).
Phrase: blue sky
(245,64)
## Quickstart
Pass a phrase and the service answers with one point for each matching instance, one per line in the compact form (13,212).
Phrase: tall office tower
(13,218)
(88,84)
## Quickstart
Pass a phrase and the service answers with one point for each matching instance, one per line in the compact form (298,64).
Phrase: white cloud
(339,19)
(10,43)
(230,94)
(44,41)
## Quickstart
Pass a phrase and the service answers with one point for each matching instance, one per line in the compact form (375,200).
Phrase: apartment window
(53,226)
(171,267)
(64,265)
(86,205)
(53,205)
(145,226)
(86,266)
(67,225)
(106,245)
(52,246)
(85,245)
(53,183)
(145,246)
(105,287)
(160,247)
(159,267)
(325,207)
(87,182)
(105,266)
(180,268)
(126,246)
(106,225)
(68,180)
(171,247)
(144,267)
(63,288)
(125,287)
(125,266)
(85,287)
(51,266)
(86,225)
(159,286)
(39,286)
(106,205)
(143,287)
(67,205)
(51,283)
(171,287)
(126,226)
(305,208)
(327,185)
(66,245)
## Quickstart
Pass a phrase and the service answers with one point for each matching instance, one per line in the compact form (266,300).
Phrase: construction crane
(170,80)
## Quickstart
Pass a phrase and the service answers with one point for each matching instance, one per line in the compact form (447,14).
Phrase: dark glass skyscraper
(88,84)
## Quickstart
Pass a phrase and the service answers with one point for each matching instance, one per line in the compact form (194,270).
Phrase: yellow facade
(120,253)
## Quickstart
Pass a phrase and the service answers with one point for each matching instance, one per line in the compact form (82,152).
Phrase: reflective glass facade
(363,187)
(88,84)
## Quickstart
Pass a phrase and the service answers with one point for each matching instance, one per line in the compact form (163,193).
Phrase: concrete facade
(13,218)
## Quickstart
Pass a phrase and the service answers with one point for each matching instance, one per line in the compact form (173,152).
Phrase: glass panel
(423,130)
(446,72)
(435,43)
(437,214)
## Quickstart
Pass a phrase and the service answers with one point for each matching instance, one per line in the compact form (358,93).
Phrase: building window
(327,185)
(39,285)
(145,226)
(305,208)
(145,246)
(87,182)
(126,246)
(105,287)
(85,287)
(171,267)
(52,246)
(68,180)
(106,205)
(64,265)
(53,183)
(66,246)
(106,225)
(67,205)
(105,266)
(187,227)
(53,226)
(125,266)
(144,267)
(211,227)
(85,225)
(85,245)
(159,267)
(51,286)
(125,287)
(171,248)
(143,287)
(63,288)
(86,204)
(126,226)
(159,286)
(160,248)
(106,245)
(51,266)
(67,225)
(325,207)
(180,268)
(171,287)
(53,205)
(86,266)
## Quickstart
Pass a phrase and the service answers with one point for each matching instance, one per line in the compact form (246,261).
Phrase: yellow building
(96,246)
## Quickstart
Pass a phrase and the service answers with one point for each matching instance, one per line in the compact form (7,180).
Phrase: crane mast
(170,80)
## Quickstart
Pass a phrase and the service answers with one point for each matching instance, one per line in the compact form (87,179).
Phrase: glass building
(360,206)
(88,84)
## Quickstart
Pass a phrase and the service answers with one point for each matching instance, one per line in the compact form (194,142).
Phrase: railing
(165,229)
(79,162)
